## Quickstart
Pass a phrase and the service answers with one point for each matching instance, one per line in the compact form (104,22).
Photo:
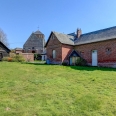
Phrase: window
(33,48)
(108,50)
(54,53)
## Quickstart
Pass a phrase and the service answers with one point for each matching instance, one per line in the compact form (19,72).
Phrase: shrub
(37,56)
(12,55)
(64,63)
(5,58)
(81,62)
(19,58)
(16,58)
(9,59)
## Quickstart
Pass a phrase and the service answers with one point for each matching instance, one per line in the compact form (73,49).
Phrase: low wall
(29,57)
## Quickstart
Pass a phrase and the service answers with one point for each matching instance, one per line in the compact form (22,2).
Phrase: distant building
(18,50)
(35,43)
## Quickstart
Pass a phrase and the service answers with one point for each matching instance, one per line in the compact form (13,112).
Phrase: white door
(94,58)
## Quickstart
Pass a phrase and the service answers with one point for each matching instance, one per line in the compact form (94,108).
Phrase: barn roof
(4,46)
(64,38)
(95,36)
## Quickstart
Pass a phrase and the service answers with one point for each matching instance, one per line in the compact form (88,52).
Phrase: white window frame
(54,53)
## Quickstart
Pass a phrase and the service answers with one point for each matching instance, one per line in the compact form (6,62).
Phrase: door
(73,60)
(0,56)
(94,58)
(70,61)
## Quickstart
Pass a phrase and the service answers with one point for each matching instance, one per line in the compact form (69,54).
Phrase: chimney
(79,32)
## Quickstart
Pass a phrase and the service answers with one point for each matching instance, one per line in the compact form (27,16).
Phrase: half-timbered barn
(35,43)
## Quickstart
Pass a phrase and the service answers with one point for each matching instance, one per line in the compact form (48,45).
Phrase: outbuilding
(4,51)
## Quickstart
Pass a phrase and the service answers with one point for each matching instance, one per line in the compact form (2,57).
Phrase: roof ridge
(38,32)
(99,30)
(62,33)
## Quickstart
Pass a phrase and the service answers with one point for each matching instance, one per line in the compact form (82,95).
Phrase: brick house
(35,43)
(98,48)
(4,51)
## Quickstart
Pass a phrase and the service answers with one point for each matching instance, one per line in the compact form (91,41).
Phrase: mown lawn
(52,90)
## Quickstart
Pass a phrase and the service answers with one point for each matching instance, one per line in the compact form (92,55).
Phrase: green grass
(52,90)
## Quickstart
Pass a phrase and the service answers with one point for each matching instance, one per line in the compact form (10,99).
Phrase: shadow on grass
(91,68)
(87,68)
(34,63)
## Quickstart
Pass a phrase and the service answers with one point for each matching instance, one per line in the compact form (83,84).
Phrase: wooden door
(1,56)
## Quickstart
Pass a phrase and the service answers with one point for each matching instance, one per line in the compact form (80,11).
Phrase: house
(35,43)
(18,50)
(98,48)
(4,51)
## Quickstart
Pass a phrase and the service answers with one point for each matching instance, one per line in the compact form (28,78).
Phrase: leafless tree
(3,38)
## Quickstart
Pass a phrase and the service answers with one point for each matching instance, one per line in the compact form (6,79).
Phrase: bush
(5,58)
(81,62)
(9,59)
(37,56)
(65,64)
(18,58)
(14,58)
(12,55)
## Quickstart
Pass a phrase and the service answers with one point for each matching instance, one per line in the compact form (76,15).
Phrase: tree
(3,38)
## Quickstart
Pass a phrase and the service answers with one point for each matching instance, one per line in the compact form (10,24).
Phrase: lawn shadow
(86,68)
(91,68)
(34,63)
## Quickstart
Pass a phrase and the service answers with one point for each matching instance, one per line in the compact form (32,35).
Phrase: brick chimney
(79,32)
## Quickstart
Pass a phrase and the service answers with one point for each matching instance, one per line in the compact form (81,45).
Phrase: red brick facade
(106,52)
(66,50)
(54,44)
(105,58)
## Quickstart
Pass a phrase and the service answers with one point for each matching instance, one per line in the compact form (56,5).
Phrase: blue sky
(19,18)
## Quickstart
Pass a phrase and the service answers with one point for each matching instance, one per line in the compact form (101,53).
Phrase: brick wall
(66,50)
(105,58)
(54,44)
(28,57)
(18,51)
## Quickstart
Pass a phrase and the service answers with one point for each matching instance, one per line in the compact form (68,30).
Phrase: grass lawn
(52,90)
